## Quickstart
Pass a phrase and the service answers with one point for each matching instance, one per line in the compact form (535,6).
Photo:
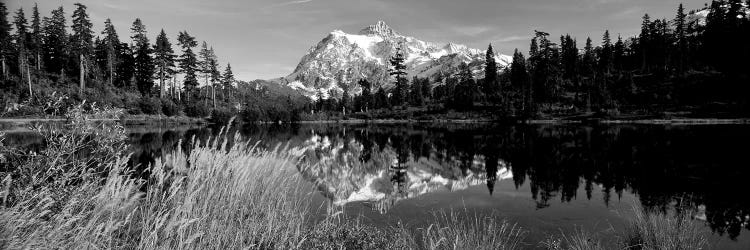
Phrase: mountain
(341,59)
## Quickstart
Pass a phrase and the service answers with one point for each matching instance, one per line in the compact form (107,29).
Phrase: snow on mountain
(699,16)
(341,59)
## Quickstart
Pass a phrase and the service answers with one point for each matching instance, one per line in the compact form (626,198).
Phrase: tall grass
(218,196)
(655,230)
(462,230)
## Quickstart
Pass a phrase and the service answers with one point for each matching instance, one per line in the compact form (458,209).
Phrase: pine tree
(345,103)
(144,63)
(5,40)
(125,68)
(366,93)
(112,45)
(399,71)
(465,93)
(21,38)
(588,65)
(36,38)
(56,42)
(605,55)
(214,74)
(227,80)
(645,42)
(618,57)
(426,88)
(491,84)
(188,61)
(519,78)
(417,97)
(681,36)
(381,99)
(81,42)
(164,58)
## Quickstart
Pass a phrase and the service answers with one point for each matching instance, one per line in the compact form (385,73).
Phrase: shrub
(222,115)
(197,110)
(169,108)
(150,105)
(131,102)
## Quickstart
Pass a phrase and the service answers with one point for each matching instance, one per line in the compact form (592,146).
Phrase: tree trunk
(213,94)
(28,74)
(38,62)
(82,79)
(111,69)
(4,69)
(161,81)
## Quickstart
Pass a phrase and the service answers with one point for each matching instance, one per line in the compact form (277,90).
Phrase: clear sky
(267,38)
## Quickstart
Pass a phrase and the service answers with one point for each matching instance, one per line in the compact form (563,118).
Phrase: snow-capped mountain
(341,59)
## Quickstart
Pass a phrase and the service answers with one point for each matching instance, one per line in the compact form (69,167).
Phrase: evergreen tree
(81,42)
(644,42)
(399,71)
(618,57)
(227,80)
(5,40)
(417,98)
(519,79)
(188,61)
(491,84)
(366,93)
(381,99)
(588,64)
(21,38)
(35,42)
(214,73)
(465,93)
(681,37)
(345,103)
(125,69)
(112,46)
(426,88)
(164,58)
(569,58)
(56,42)
(144,63)
(605,55)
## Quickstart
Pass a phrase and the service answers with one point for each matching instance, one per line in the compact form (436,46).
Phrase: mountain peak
(379,28)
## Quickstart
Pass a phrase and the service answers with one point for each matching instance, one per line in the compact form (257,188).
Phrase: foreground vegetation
(77,192)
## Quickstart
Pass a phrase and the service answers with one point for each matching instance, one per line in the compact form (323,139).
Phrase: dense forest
(50,64)
(689,65)
(686,66)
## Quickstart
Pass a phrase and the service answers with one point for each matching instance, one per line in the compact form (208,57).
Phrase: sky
(265,39)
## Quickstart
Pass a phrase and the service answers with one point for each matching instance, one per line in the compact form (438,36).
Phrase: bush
(151,105)
(131,102)
(169,108)
(197,110)
(222,115)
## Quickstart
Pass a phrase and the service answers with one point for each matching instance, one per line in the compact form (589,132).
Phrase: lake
(546,178)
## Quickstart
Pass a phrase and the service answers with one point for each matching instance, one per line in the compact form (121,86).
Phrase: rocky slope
(341,59)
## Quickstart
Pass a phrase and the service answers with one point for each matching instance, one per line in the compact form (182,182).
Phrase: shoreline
(198,121)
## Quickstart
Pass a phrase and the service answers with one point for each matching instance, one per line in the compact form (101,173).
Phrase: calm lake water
(546,178)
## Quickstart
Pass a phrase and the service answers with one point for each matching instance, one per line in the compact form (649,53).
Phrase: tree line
(51,56)
(686,64)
